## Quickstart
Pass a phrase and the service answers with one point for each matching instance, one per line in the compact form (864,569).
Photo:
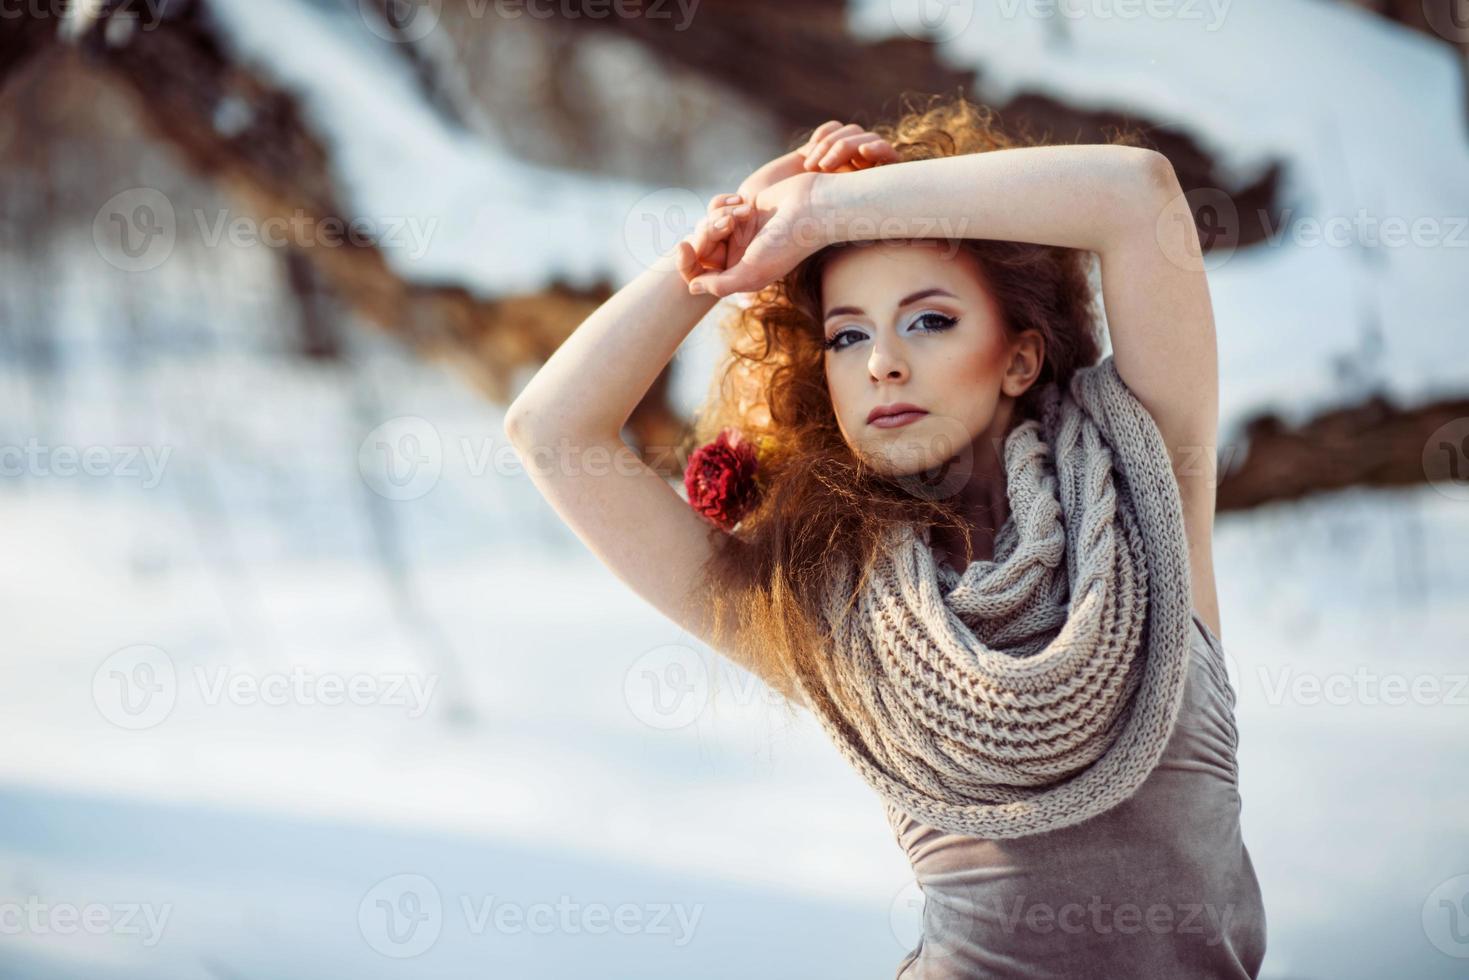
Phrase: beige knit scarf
(1038,689)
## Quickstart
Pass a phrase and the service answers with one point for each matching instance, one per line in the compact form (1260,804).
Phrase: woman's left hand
(832,148)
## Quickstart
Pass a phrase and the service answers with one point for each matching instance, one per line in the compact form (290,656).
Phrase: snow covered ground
(304,679)
(521,729)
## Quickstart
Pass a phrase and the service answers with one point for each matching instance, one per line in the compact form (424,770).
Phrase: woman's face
(914,323)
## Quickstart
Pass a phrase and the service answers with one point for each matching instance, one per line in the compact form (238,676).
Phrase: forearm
(1077,196)
(592,383)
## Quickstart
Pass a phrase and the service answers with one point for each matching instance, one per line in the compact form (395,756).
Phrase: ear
(1027,357)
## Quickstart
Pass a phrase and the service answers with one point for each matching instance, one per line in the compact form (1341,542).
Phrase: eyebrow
(912,298)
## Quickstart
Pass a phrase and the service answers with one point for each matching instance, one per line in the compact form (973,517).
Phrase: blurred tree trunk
(183,80)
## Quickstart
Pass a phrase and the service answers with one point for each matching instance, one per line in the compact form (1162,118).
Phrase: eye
(935,321)
(930,321)
(835,342)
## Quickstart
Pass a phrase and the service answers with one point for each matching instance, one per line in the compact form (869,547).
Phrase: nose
(886,362)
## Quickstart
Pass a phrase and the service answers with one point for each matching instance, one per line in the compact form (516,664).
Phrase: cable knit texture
(1039,688)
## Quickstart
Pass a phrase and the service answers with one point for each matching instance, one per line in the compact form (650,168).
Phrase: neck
(983,500)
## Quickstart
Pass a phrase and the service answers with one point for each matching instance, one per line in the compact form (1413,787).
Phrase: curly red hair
(819,501)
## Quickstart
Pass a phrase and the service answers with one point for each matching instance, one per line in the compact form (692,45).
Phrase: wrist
(828,208)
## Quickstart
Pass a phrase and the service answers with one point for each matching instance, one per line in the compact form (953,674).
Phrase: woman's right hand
(707,247)
(727,226)
(757,248)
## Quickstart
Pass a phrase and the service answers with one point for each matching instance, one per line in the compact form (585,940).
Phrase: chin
(904,455)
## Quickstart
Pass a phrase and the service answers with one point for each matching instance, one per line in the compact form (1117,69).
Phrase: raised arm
(1123,203)
(566,425)
(567,422)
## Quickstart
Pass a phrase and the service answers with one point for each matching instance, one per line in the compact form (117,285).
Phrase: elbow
(527,425)
(1159,180)
(517,424)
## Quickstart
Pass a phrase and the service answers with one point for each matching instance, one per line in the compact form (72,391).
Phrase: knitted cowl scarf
(1037,689)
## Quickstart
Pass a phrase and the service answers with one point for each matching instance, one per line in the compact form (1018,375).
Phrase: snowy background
(304,679)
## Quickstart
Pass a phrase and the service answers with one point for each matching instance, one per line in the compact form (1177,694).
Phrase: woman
(925,510)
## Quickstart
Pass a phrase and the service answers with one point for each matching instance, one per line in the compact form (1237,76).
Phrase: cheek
(970,380)
(976,368)
(837,391)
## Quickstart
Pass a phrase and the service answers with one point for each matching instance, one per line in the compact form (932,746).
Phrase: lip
(894,415)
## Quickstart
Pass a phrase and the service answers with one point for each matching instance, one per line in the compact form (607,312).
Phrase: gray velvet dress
(1161,887)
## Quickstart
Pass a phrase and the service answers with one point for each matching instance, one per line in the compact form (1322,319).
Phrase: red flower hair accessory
(721,478)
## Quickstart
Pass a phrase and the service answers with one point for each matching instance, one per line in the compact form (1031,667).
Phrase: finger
(714,256)
(721,284)
(878,150)
(842,151)
(819,133)
(714,228)
(720,200)
(688,261)
(720,222)
(692,265)
(850,150)
(698,248)
(719,257)
(821,146)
